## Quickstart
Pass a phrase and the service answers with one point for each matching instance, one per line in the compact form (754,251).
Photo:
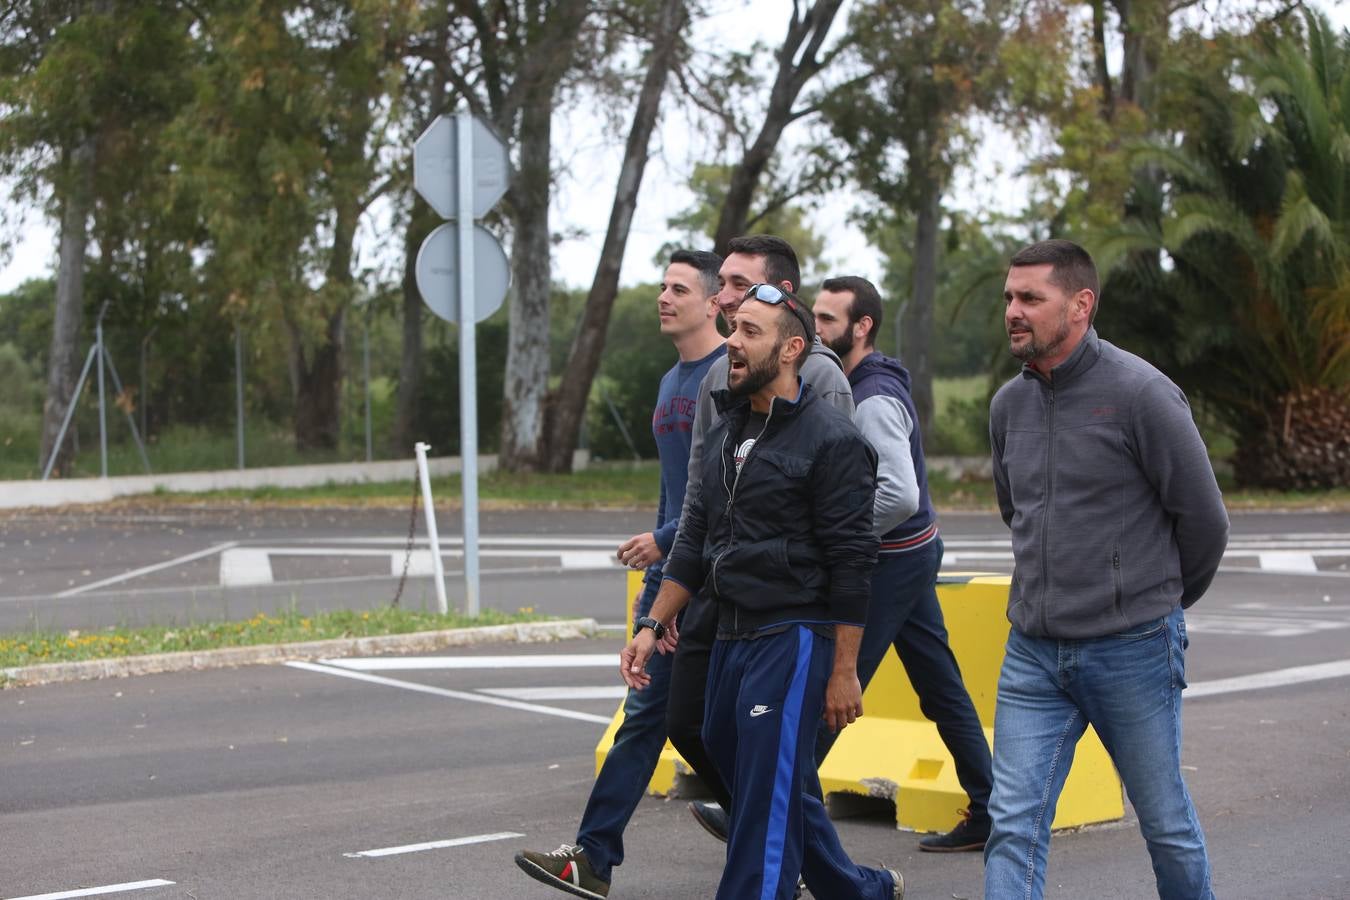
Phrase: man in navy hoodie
(904,610)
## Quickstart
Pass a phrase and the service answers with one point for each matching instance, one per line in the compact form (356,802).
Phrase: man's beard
(1035,349)
(757,375)
(842,345)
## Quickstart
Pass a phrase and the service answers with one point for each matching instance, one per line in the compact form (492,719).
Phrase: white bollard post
(439,573)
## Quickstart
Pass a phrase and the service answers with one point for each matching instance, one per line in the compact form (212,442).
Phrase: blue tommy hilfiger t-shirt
(673,428)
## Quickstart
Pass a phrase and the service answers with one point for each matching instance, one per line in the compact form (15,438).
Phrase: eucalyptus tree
(755,95)
(86,87)
(932,65)
(658,26)
(282,149)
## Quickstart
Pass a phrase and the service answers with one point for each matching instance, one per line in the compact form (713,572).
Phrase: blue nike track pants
(765,696)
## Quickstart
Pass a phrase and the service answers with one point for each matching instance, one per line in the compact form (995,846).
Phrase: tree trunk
(917,336)
(795,68)
(318,386)
(317,367)
(406,425)
(1102,72)
(527,363)
(568,408)
(61,372)
(420,223)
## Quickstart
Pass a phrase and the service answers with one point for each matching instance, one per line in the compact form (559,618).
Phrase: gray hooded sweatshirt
(1104,480)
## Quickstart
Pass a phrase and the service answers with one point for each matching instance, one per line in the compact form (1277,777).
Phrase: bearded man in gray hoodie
(1117,526)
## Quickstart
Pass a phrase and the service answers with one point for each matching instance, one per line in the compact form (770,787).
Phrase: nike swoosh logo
(757,711)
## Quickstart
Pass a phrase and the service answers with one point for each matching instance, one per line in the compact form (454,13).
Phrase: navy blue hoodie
(884,412)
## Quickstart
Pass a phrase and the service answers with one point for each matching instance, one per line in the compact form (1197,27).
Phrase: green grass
(25,649)
(601,485)
(182,448)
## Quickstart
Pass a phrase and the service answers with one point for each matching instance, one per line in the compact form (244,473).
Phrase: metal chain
(412,527)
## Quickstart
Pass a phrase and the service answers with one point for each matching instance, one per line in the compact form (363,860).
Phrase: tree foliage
(1254,314)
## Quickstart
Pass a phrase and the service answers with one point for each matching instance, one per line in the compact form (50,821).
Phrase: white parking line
(136,573)
(1276,678)
(95,891)
(454,695)
(435,845)
(604,692)
(538,661)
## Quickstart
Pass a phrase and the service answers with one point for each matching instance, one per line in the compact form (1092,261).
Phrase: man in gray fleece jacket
(1117,525)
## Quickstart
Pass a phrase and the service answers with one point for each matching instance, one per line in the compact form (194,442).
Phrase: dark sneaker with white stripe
(565,869)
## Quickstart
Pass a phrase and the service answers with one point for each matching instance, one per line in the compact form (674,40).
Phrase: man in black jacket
(780,532)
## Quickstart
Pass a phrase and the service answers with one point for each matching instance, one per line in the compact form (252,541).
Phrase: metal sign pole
(468,366)
(102,405)
(239,394)
(365,364)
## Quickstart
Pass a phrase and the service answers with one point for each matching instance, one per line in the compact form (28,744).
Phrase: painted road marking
(95,891)
(606,692)
(136,573)
(245,565)
(1270,626)
(537,661)
(1287,560)
(435,845)
(454,695)
(241,566)
(1276,678)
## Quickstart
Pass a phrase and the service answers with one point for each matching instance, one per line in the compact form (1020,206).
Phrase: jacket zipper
(1049,506)
(1115,575)
(731,502)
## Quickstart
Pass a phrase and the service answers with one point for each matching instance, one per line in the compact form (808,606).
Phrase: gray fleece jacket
(1116,517)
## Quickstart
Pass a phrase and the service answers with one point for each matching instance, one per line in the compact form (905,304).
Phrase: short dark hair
(792,325)
(1071,267)
(706,262)
(866,302)
(780,260)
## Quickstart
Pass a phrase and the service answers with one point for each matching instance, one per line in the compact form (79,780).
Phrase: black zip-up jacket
(790,538)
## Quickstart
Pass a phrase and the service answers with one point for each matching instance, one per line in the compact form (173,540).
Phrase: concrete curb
(416,642)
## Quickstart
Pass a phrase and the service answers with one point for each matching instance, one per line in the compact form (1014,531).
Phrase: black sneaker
(968,835)
(565,869)
(712,817)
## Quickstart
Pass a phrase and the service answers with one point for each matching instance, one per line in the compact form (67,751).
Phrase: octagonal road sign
(437,272)
(434,175)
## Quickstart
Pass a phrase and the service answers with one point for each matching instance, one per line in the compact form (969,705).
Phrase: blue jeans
(629,765)
(1128,687)
(904,613)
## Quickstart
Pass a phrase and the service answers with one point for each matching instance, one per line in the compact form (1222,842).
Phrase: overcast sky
(590,157)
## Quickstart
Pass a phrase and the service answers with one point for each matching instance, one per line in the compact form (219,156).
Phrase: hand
(633,659)
(843,700)
(668,643)
(640,551)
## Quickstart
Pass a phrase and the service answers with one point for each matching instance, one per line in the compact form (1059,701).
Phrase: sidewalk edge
(261,654)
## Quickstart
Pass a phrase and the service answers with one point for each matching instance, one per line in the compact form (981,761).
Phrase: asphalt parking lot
(363,781)
(271,782)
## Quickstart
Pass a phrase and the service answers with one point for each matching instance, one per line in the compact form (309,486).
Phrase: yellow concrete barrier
(894,753)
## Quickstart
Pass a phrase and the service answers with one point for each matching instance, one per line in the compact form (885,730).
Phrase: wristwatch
(648,622)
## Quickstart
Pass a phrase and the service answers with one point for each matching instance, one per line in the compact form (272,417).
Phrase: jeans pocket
(1176,654)
(1141,631)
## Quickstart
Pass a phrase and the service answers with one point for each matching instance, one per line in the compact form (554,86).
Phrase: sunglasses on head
(767,293)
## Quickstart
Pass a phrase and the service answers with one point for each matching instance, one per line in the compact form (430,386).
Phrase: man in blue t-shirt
(688,313)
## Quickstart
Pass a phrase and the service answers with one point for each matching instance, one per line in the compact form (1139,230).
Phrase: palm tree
(1252,312)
